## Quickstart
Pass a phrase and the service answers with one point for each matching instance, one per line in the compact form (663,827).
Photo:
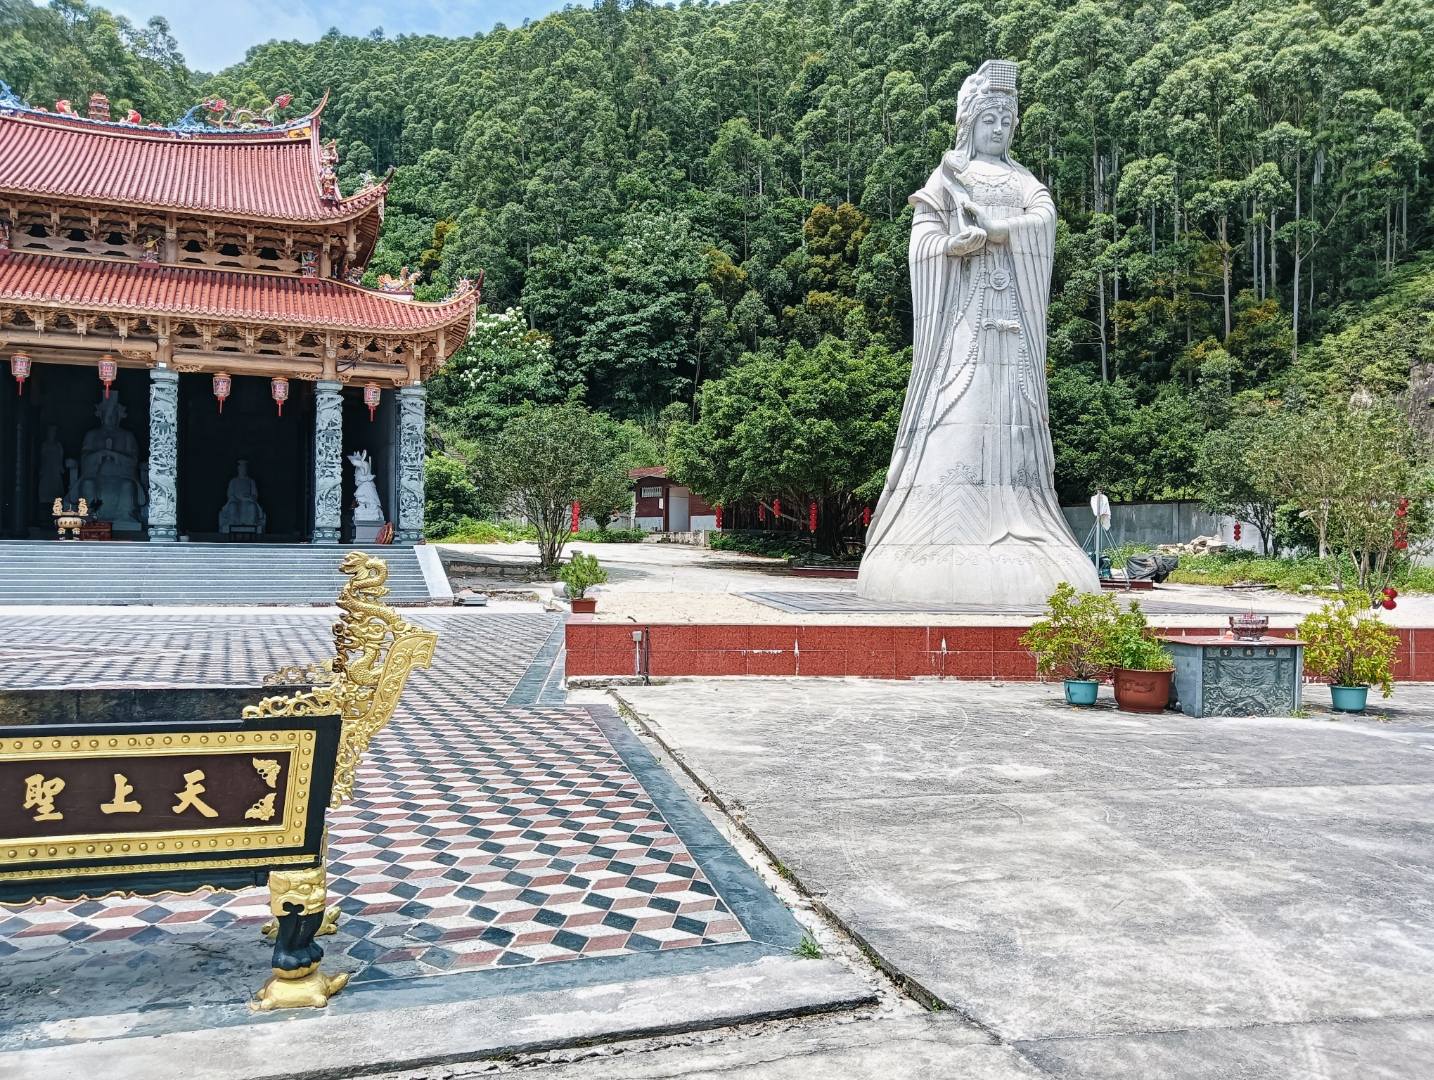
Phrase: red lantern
(576,512)
(1390,592)
(223,384)
(370,398)
(1388,605)
(777,509)
(280,389)
(20,368)
(718,511)
(865,516)
(761,510)
(108,369)
(1237,532)
(812,518)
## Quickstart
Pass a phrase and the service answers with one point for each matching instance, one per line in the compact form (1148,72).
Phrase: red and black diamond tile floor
(482,835)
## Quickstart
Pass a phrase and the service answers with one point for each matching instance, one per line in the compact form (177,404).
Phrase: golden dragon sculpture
(374,652)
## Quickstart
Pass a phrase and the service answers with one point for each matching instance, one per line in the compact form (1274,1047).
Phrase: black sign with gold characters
(91,809)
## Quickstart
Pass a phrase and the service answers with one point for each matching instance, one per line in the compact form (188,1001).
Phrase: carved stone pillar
(163,456)
(328,460)
(411,449)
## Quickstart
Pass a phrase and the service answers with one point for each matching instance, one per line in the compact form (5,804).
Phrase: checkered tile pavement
(485,835)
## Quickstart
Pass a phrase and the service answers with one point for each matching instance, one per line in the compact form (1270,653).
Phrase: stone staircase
(93,572)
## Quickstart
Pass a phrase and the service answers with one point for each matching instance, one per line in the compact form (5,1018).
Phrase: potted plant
(1143,667)
(1350,648)
(581,573)
(1071,641)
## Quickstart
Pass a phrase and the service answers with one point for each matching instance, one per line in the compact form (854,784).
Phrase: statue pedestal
(366,532)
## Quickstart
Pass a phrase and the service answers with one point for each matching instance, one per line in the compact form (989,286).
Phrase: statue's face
(993,131)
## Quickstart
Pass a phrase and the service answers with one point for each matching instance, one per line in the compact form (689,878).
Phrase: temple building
(190,348)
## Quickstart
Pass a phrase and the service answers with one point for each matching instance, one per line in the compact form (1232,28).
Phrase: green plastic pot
(1081,691)
(1349,698)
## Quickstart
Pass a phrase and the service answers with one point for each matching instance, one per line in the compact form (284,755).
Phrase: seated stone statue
(109,470)
(243,506)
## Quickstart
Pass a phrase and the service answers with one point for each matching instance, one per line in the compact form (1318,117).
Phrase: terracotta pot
(584,606)
(1142,691)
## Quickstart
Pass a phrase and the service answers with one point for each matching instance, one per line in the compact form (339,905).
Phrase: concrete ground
(675,583)
(1099,894)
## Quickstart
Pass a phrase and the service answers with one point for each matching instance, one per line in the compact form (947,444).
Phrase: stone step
(56,572)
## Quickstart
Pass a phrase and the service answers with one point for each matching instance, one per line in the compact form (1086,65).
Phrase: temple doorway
(376,437)
(63,439)
(277,451)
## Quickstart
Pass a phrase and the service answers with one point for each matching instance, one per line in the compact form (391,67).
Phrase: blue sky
(214,36)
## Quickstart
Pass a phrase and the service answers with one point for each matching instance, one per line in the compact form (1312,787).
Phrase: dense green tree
(449,497)
(548,458)
(813,425)
(1231,481)
(502,367)
(663,188)
(70,49)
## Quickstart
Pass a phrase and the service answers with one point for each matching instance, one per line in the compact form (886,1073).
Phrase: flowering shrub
(1347,645)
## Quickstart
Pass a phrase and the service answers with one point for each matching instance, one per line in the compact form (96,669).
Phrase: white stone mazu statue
(969,514)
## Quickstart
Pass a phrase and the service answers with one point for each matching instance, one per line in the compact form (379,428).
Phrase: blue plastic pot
(1081,691)
(1349,698)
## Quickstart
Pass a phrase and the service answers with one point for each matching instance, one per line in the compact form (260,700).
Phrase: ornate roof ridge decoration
(251,296)
(187,126)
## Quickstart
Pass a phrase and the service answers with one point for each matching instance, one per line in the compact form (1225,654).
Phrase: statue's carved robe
(969,513)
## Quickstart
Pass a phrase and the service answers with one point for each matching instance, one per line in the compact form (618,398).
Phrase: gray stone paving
(1110,896)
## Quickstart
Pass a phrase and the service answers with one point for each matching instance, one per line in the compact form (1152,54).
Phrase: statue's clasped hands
(983,229)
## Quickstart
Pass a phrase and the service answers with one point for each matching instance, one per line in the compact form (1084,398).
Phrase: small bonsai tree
(1348,646)
(1132,644)
(581,573)
(1072,640)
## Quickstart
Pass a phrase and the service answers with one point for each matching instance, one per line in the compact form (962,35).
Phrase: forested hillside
(662,189)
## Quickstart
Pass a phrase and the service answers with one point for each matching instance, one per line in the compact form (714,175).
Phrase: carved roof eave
(454,330)
(357,207)
(444,327)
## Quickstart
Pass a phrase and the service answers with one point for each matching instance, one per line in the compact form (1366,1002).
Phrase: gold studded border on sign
(251,844)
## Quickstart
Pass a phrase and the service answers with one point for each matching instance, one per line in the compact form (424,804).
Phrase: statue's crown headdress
(993,84)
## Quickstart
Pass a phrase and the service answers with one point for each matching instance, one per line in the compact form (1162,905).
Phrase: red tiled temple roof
(645,472)
(269,174)
(245,296)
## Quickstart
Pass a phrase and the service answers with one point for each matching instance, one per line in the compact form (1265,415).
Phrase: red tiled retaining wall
(877,652)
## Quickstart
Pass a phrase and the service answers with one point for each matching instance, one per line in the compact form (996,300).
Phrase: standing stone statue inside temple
(52,484)
(969,514)
(242,507)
